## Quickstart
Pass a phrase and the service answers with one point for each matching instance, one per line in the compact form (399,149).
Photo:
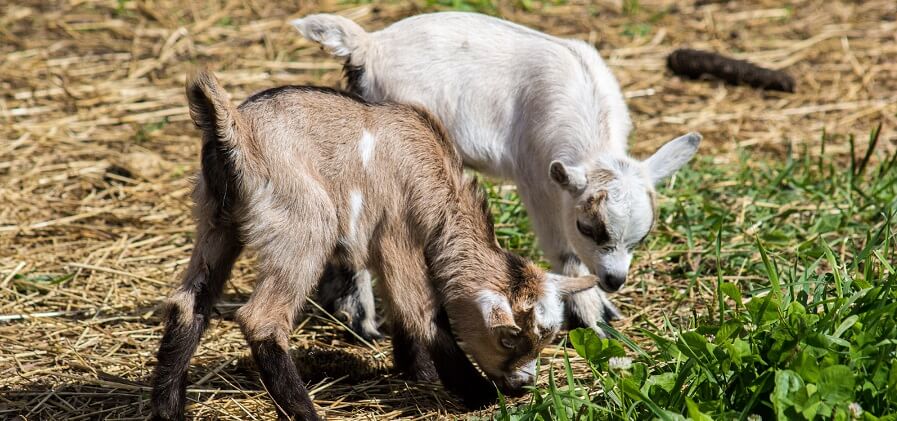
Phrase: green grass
(791,282)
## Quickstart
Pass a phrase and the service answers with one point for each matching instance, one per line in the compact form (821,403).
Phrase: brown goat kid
(306,175)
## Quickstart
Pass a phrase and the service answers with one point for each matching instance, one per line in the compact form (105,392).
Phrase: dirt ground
(96,157)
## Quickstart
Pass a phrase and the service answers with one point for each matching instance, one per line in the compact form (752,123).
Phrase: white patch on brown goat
(366,147)
(356,202)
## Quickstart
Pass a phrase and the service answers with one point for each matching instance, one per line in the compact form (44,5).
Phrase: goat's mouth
(605,281)
(604,287)
(603,284)
(514,384)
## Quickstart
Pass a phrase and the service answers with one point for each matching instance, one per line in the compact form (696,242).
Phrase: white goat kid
(529,107)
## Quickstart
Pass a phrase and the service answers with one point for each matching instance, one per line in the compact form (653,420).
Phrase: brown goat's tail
(224,136)
(212,111)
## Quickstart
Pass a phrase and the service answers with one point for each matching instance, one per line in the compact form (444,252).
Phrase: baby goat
(306,175)
(522,105)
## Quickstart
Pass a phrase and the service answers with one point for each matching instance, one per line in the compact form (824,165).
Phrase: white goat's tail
(338,35)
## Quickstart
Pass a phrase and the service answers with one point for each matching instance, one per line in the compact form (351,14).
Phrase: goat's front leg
(410,358)
(420,324)
(585,308)
(455,370)
(427,351)
(216,249)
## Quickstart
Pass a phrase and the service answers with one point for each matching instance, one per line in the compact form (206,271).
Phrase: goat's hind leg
(216,249)
(270,314)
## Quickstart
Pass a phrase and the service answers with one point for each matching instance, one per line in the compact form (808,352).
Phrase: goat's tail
(340,36)
(212,111)
(221,123)
(226,142)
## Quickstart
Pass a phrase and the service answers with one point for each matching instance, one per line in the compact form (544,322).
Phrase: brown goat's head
(505,330)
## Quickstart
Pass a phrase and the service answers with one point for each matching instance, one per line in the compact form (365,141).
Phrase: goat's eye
(598,233)
(585,229)
(508,342)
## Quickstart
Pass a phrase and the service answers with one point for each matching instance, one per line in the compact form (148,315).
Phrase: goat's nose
(614,282)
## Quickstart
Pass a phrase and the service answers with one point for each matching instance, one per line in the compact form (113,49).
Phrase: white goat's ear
(672,156)
(570,178)
(496,311)
(568,285)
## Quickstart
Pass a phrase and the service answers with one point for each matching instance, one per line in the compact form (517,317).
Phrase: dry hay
(96,154)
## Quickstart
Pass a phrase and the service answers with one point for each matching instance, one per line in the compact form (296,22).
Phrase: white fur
(333,32)
(524,375)
(491,300)
(549,309)
(672,156)
(356,202)
(515,100)
(366,147)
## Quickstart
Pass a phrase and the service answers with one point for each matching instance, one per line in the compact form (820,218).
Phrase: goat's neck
(462,252)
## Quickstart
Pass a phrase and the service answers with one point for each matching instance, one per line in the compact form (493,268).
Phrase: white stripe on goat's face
(366,147)
(612,212)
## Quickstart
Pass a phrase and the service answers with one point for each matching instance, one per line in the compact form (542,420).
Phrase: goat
(529,107)
(305,175)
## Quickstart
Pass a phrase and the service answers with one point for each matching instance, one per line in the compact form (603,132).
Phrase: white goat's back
(502,90)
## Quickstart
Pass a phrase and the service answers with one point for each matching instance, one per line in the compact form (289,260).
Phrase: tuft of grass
(512,228)
(39,282)
(797,257)
(146,131)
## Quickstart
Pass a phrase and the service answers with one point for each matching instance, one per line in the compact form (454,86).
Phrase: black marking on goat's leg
(457,373)
(282,380)
(210,265)
(572,320)
(348,296)
(410,357)
(179,342)
(611,312)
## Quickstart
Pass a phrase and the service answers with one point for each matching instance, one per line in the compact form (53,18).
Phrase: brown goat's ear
(568,285)
(497,311)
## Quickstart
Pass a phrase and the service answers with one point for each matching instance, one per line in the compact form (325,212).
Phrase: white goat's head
(613,206)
